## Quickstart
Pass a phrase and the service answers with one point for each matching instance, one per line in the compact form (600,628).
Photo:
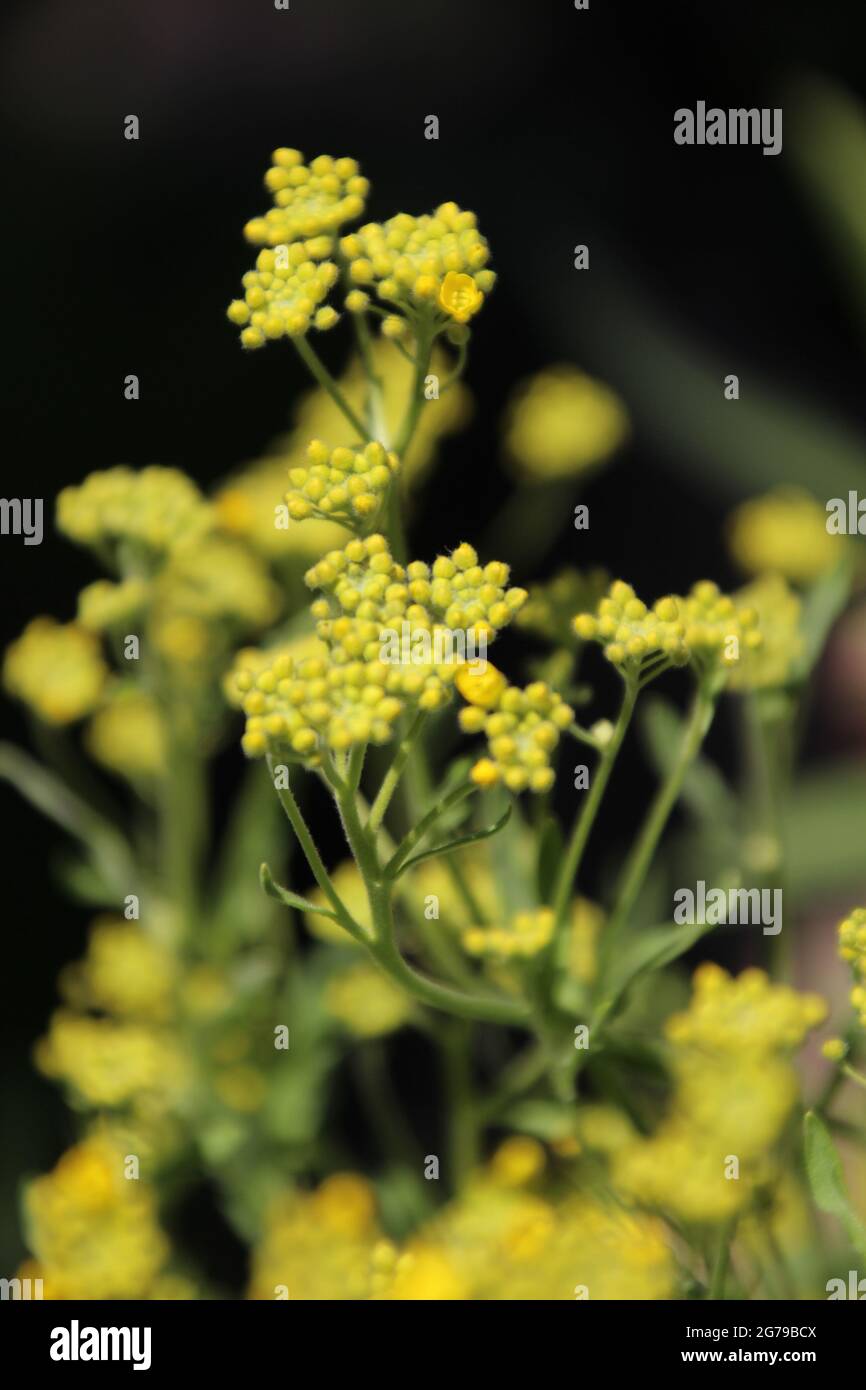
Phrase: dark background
(555,127)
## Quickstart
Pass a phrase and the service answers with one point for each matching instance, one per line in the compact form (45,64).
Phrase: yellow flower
(632,634)
(523,728)
(126,972)
(783,532)
(423,264)
(56,669)
(319,1245)
(110,1062)
(153,510)
(93,1230)
(525,935)
(127,735)
(312,200)
(745,1016)
(342,484)
(283,295)
(480,687)
(367,1002)
(460,296)
(778,610)
(563,422)
(852,948)
(104,605)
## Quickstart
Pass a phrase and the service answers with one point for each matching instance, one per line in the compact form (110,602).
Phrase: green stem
(456,1043)
(395,772)
(424,349)
(638,863)
(183,826)
(319,371)
(314,859)
(585,821)
(720,1264)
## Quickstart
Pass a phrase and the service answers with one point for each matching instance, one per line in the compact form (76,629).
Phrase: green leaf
(106,847)
(822,605)
(640,953)
(705,791)
(827,1180)
(550,851)
(451,845)
(290,899)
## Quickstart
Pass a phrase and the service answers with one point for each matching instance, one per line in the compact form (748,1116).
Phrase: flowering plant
(603,1130)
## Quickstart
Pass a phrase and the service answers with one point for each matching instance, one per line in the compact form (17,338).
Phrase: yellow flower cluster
(630,632)
(283,295)
(56,669)
(356,694)
(769,664)
(345,485)
(525,935)
(310,200)
(104,605)
(783,532)
(366,1002)
(734,1088)
(523,728)
(706,627)
(852,948)
(319,1245)
(246,507)
(125,972)
(110,1062)
(218,581)
(423,264)
(499,1240)
(563,422)
(94,1231)
(153,510)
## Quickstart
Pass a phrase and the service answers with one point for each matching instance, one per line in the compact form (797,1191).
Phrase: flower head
(852,948)
(310,200)
(631,633)
(283,296)
(345,485)
(783,532)
(154,510)
(429,264)
(563,422)
(525,935)
(57,669)
(523,728)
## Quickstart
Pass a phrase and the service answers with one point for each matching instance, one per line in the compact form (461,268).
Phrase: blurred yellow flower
(562,422)
(367,1002)
(783,532)
(57,669)
(127,734)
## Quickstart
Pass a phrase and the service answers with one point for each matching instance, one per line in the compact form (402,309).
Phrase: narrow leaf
(827,1180)
(290,899)
(451,845)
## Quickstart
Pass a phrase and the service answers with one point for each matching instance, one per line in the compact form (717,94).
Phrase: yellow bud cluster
(525,935)
(630,632)
(57,669)
(852,948)
(715,628)
(283,295)
(345,485)
(366,1001)
(784,532)
(747,1016)
(523,728)
(464,593)
(104,605)
(310,200)
(110,1062)
(127,734)
(125,972)
(155,508)
(430,264)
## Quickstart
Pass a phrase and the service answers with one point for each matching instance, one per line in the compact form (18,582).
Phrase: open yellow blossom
(56,669)
(423,264)
(563,422)
(783,532)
